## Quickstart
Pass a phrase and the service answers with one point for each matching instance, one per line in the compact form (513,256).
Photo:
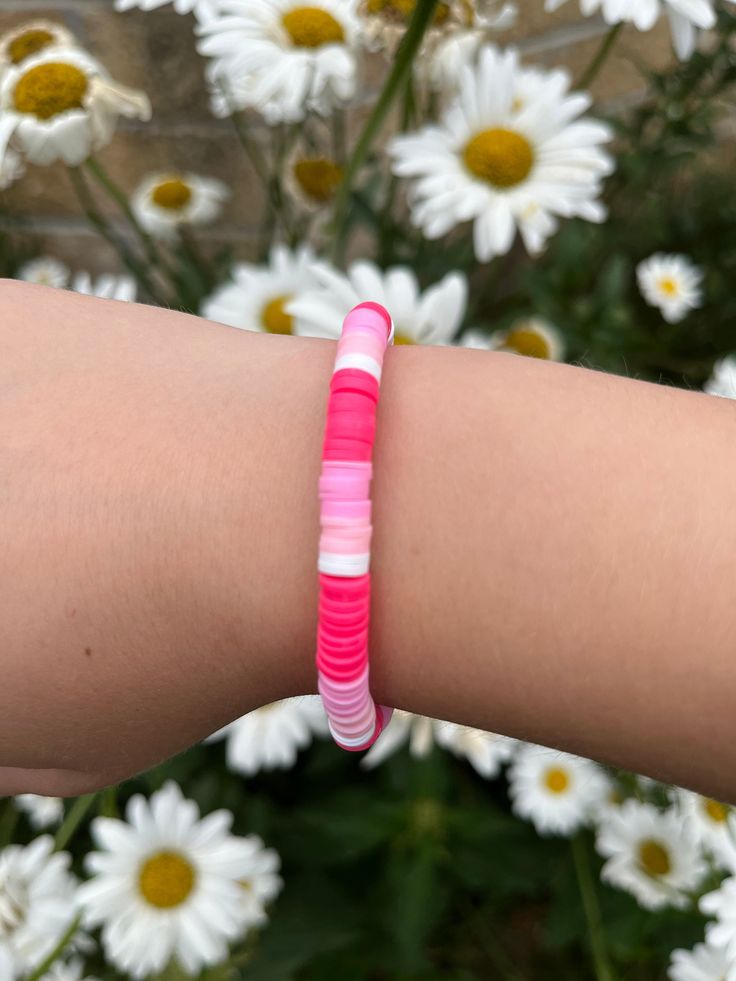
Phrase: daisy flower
(557,792)
(283,57)
(257,297)
(417,730)
(202,8)
(42,812)
(61,104)
(477,339)
(162,203)
(502,165)
(311,179)
(29,38)
(721,904)
(710,822)
(649,854)
(168,885)
(533,337)
(107,286)
(671,283)
(723,380)
(44,271)
(270,737)
(446,54)
(703,963)
(429,317)
(485,751)
(37,904)
(686,17)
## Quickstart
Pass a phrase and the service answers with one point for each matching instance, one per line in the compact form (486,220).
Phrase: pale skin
(553,556)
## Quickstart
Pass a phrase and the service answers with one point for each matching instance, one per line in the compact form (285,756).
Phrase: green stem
(599,58)
(58,950)
(101,226)
(74,818)
(394,85)
(120,197)
(589,897)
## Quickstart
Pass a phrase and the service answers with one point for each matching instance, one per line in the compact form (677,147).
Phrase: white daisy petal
(171,885)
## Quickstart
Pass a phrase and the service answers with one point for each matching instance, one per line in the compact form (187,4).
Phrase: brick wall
(155,51)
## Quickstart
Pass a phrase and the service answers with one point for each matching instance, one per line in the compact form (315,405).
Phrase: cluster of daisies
(165,887)
(664,845)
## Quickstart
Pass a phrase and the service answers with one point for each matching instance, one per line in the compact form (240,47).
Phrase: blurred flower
(649,854)
(710,823)
(202,8)
(557,792)
(703,963)
(477,339)
(505,166)
(71,971)
(417,729)
(43,812)
(29,38)
(107,286)
(282,57)
(485,751)
(169,885)
(533,337)
(445,55)
(311,179)
(431,317)
(44,271)
(671,283)
(685,16)
(162,203)
(257,297)
(37,904)
(270,737)
(62,105)
(721,904)
(723,380)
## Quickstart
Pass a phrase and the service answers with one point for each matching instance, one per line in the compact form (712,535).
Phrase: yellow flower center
(173,194)
(501,157)
(400,338)
(50,89)
(166,879)
(716,811)
(311,27)
(402,10)
(275,319)
(654,858)
(668,286)
(526,340)
(556,780)
(318,178)
(28,43)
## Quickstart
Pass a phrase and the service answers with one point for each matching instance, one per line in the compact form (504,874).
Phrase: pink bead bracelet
(355,720)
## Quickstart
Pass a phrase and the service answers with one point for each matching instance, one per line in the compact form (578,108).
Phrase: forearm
(543,565)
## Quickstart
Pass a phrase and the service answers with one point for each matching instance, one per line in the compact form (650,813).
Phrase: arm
(553,549)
